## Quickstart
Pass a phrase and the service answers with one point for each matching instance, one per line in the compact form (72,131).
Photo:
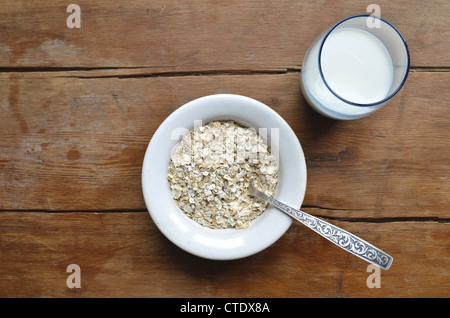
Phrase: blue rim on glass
(389,96)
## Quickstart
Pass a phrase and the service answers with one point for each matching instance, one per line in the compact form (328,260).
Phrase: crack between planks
(434,219)
(35,69)
(164,71)
(74,211)
(293,68)
(188,73)
(417,69)
(430,219)
(386,219)
(373,220)
(142,72)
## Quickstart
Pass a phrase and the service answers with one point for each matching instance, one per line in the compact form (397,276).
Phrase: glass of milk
(355,67)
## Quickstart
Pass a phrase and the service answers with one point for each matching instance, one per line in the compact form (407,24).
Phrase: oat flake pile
(210,170)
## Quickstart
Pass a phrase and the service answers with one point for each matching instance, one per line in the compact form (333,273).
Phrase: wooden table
(78,107)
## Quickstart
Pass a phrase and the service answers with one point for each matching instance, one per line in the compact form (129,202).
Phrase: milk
(356,66)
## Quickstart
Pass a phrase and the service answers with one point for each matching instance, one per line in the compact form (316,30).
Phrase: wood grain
(124,255)
(78,143)
(200,35)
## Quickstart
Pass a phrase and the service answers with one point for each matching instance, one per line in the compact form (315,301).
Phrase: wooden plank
(200,35)
(69,143)
(124,255)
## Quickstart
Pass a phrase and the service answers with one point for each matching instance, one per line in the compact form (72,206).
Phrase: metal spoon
(349,242)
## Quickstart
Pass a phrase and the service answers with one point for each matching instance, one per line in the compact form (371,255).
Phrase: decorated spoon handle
(349,242)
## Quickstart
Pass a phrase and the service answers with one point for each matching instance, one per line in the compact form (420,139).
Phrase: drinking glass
(355,67)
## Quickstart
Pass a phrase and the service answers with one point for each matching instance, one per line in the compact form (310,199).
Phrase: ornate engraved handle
(349,242)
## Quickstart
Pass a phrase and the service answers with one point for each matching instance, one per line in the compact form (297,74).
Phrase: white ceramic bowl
(222,244)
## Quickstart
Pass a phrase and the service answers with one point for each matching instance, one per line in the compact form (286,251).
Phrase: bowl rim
(221,244)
